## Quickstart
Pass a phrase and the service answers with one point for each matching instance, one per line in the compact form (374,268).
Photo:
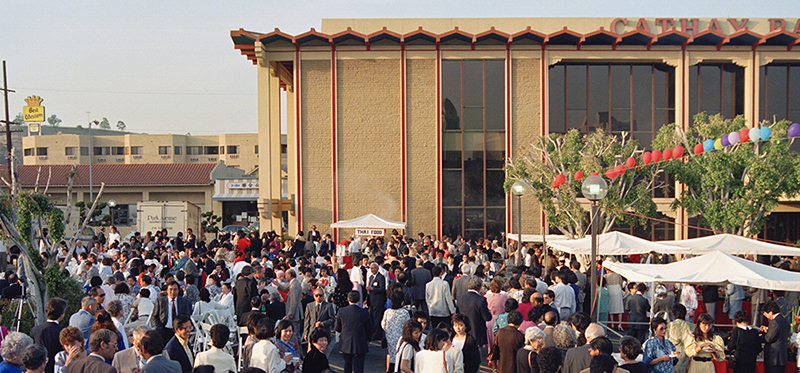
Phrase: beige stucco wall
(526,125)
(317,166)
(421,119)
(369,122)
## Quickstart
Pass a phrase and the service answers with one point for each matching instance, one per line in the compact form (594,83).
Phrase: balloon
(698,149)
(733,138)
(766,132)
(630,162)
(647,157)
(794,130)
(724,140)
(708,145)
(555,184)
(718,144)
(677,152)
(561,179)
(594,174)
(611,174)
(667,154)
(744,135)
(656,155)
(620,169)
(755,134)
(579,175)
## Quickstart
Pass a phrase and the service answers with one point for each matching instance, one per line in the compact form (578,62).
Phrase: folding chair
(241,331)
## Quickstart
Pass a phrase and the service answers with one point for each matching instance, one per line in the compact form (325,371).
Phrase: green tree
(121,125)
(210,222)
(566,154)
(53,120)
(19,119)
(735,188)
(104,124)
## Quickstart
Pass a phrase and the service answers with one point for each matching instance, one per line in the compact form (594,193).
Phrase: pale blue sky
(170,66)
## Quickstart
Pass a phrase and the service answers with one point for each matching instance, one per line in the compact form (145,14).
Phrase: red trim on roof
(382,35)
(706,34)
(600,35)
(564,33)
(312,35)
(456,34)
(274,36)
(780,37)
(118,174)
(672,33)
(348,34)
(420,34)
(529,34)
(493,34)
(636,37)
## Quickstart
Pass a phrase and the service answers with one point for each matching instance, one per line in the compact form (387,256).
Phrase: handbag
(491,356)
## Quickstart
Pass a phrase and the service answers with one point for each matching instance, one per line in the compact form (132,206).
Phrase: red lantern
(620,169)
(656,155)
(677,152)
(561,179)
(698,149)
(630,162)
(611,174)
(667,154)
(594,174)
(578,175)
(744,135)
(647,157)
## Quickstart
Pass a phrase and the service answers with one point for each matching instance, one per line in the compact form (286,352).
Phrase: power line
(209,93)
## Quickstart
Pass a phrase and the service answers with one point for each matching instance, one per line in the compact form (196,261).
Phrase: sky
(170,66)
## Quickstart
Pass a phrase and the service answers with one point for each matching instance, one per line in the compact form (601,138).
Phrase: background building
(412,119)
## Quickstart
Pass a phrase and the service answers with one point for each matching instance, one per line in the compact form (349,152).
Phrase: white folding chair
(241,331)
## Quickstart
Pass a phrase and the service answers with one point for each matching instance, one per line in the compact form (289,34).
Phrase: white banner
(369,232)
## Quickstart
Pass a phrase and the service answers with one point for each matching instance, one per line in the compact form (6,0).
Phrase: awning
(537,238)
(236,190)
(369,221)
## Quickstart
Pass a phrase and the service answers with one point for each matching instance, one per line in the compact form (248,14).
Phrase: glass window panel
(473,83)
(794,91)
(642,85)
(473,218)
(645,139)
(728,93)
(576,86)
(473,146)
(451,184)
(667,190)
(598,99)
(496,222)
(620,89)
(473,118)
(762,99)
(473,183)
(663,231)
(452,222)
(777,90)
(495,95)
(738,91)
(576,119)
(495,195)
(452,150)
(620,121)
(709,89)
(556,97)
(451,94)
(495,150)
(693,86)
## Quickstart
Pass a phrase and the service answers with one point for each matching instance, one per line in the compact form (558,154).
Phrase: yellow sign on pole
(34,112)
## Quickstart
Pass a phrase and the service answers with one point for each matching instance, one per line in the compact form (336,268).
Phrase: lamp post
(111,204)
(91,156)
(518,190)
(594,188)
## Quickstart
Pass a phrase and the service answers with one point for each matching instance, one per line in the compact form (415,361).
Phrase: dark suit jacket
(275,310)
(12,291)
(474,306)
(245,319)
(509,341)
(746,345)
(327,316)
(636,307)
(161,309)
(355,326)
(548,337)
(161,364)
(577,359)
(175,352)
(421,277)
(245,289)
(460,286)
(47,335)
(472,355)
(377,297)
(90,364)
(775,342)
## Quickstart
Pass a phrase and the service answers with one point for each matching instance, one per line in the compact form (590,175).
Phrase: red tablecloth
(722,367)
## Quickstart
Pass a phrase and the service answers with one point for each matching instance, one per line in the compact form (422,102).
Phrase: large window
(102,150)
(118,150)
(716,88)
(635,98)
(473,148)
(653,230)
(780,94)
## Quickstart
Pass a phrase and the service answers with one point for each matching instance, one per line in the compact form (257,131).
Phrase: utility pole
(8,123)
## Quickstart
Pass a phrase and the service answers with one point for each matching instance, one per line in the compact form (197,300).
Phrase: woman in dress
(393,320)
(316,361)
(658,350)
(745,344)
(284,331)
(496,300)
(704,346)
(467,343)
(343,286)
(409,346)
(526,356)
(689,300)
(122,293)
(434,358)
(615,307)
(71,339)
(265,355)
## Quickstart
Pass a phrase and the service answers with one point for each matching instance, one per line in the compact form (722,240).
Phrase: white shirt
(265,356)
(221,360)
(565,297)
(226,299)
(114,236)
(121,328)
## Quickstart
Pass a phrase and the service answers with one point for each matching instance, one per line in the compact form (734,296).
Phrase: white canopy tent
(537,237)
(616,243)
(369,221)
(732,244)
(715,268)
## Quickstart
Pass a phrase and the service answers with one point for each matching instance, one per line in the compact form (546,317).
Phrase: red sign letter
(776,23)
(624,21)
(666,23)
(797,27)
(714,25)
(642,25)
(736,26)
(687,28)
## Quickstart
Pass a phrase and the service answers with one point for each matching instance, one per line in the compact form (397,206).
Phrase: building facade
(413,119)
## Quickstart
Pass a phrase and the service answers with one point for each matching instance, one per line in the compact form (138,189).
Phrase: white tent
(369,221)
(536,237)
(712,268)
(732,244)
(616,243)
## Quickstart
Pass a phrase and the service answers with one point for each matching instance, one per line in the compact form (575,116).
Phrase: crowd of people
(432,304)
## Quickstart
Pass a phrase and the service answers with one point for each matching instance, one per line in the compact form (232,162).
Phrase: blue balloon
(765,133)
(708,145)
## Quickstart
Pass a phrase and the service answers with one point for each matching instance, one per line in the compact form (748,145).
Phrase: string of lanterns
(745,135)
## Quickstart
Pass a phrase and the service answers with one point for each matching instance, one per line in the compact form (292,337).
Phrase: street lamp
(91,155)
(594,188)
(518,190)
(111,204)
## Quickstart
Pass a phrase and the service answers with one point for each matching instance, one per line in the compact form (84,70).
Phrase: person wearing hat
(663,302)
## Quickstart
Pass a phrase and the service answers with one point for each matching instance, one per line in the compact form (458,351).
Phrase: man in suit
(169,308)
(151,346)
(460,285)
(294,309)
(550,321)
(376,288)
(127,360)
(474,306)
(578,358)
(190,269)
(178,348)
(255,311)
(103,344)
(319,314)
(637,306)
(14,289)
(420,277)
(244,290)
(46,334)
(84,318)
(774,337)
(355,327)
(437,295)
